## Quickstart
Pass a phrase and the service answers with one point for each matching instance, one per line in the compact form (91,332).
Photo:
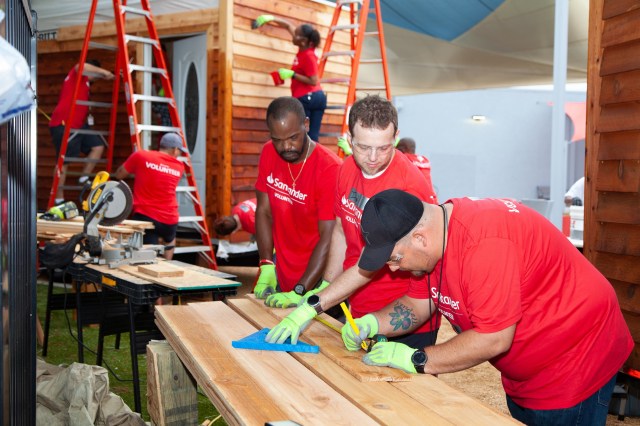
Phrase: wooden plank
(272,382)
(620,58)
(618,176)
(620,87)
(619,7)
(162,269)
(617,207)
(618,238)
(435,397)
(225,103)
(191,280)
(376,398)
(617,117)
(171,390)
(618,267)
(621,29)
(331,345)
(619,146)
(628,296)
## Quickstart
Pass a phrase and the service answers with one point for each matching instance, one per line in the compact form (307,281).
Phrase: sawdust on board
(481,382)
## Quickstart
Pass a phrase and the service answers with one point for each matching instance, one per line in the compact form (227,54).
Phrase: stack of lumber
(62,230)
(332,387)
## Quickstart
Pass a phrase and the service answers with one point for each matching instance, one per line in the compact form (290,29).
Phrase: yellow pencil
(353,324)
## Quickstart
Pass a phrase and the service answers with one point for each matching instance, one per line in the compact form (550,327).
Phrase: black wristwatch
(314,302)
(419,360)
(299,289)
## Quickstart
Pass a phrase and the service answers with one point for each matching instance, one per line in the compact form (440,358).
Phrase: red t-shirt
(505,264)
(296,212)
(424,165)
(352,193)
(61,112)
(305,63)
(157,175)
(246,212)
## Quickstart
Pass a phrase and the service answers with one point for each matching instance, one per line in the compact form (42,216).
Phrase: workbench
(138,294)
(252,387)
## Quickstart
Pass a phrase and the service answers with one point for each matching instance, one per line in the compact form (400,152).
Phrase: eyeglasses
(395,260)
(365,149)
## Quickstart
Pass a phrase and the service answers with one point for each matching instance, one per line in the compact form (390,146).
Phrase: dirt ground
(481,382)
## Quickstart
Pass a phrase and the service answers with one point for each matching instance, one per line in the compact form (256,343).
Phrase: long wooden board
(331,345)
(250,387)
(441,402)
(191,280)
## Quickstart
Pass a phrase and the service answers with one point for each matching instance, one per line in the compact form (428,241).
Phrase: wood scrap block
(171,390)
(161,270)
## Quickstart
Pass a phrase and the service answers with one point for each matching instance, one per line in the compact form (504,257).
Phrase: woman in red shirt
(305,84)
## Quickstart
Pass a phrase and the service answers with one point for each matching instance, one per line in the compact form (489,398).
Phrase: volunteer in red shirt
(157,174)
(373,167)
(90,145)
(408,147)
(517,292)
(305,83)
(296,181)
(243,217)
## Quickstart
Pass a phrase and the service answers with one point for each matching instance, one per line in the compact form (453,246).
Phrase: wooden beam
(171,390)
(225,101)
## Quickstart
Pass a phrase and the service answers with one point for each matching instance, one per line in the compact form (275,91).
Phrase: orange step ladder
(359,11)
(123,74)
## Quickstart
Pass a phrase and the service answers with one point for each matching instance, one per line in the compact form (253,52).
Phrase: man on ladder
(90,145)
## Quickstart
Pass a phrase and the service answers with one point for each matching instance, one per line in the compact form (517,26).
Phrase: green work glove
(283,300)
(261,20)
(285,73)
(391,354)
(292,325)
(368,327)
(343,144)
(396,142)
(324,284)
(266,282)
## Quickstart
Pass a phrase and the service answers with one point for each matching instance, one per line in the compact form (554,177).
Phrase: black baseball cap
(387,217)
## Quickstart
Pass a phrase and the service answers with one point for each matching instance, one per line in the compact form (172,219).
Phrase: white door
(190,86)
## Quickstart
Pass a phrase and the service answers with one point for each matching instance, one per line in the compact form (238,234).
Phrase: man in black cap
(157,176)
(515,290)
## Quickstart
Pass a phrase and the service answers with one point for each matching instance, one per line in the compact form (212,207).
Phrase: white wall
(508,155)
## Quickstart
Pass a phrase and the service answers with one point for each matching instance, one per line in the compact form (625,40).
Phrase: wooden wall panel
(612,190)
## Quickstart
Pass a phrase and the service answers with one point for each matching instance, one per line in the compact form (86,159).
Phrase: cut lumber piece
(386,404)
(437,401)
(161,270)
(251,387)
(171,390)
(331,345)
(190,280)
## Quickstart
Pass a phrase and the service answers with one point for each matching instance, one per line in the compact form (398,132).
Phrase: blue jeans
(314,104)
(590,412)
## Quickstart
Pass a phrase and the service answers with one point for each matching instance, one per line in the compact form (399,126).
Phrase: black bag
(60,255)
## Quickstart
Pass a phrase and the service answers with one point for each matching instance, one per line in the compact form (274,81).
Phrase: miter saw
(108,204)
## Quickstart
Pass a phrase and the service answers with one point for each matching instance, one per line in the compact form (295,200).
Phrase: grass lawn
(63,350)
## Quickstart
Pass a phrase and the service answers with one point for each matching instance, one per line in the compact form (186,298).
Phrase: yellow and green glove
(266,281)
(368,327)
(292,325)
(283,300)
(391,354)
(261,20)
(285,73)
(343,144)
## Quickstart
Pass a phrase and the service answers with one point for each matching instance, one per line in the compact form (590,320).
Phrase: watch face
(299,289)
(419,358)
(313,300)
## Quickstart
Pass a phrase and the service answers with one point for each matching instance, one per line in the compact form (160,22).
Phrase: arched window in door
(191,107)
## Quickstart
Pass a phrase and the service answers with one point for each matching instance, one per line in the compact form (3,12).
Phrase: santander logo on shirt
(445,304)
(280,187)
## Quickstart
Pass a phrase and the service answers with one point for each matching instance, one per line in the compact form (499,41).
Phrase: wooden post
(171,390)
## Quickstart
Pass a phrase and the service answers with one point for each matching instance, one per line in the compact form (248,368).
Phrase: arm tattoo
(402,317)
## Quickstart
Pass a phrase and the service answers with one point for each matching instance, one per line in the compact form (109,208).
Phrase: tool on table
(375,339)
(328,324)
(108,204)
(256,341)
(353,324)
(64,211)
